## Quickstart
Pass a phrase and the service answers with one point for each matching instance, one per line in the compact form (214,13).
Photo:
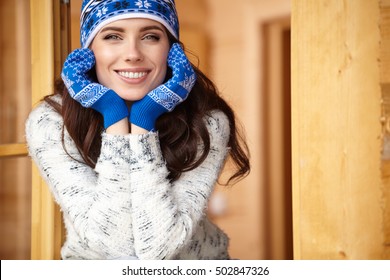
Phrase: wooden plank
(17,149)
(336,132)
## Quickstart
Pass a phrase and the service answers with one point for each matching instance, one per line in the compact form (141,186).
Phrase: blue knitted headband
(97,13)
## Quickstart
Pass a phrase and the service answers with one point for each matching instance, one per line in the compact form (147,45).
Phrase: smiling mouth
(132,75)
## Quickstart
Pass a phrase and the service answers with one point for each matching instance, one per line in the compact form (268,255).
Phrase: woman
(133,140)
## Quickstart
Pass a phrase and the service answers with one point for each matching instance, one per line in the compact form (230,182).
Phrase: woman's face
(131,56)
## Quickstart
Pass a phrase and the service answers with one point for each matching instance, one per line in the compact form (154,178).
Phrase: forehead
(134,23)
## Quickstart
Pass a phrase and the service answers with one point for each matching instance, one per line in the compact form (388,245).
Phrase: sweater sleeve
(94,202)
(166,215)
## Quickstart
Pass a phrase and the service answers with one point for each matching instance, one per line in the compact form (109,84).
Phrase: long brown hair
(179,143)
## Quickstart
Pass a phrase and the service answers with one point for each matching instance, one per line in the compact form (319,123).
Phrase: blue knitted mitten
(89,93)
(166,97)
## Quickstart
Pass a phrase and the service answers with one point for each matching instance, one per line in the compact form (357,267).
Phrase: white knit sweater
(126,206)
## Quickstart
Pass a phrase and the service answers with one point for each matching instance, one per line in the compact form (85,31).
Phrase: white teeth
(132,75)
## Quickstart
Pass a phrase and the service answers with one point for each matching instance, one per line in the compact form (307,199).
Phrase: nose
(133,52)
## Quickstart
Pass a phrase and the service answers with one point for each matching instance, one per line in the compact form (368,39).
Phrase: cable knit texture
(126,206)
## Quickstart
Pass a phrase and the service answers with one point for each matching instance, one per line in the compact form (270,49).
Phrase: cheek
(103,59)
(163,73)
(163,66)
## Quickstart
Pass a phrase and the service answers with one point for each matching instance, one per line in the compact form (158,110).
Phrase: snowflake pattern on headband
(143,4)
(101,12)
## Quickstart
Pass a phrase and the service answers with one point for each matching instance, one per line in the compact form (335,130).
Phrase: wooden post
(339,198)
(46,225)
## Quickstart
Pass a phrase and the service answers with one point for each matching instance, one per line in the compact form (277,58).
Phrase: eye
(151,37)
(112,37)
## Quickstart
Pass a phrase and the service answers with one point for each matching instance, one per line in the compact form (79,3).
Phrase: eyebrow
(151,27)
(120,29)
(112,28)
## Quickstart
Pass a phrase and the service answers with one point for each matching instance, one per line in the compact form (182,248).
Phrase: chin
(132,96)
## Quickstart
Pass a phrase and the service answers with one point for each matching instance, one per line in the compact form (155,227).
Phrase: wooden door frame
(277,140)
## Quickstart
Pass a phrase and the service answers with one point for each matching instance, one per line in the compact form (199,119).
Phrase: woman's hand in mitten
(89,93)
(166,97)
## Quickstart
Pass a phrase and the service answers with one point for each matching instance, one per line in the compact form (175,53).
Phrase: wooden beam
(8,150)
(336,130)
